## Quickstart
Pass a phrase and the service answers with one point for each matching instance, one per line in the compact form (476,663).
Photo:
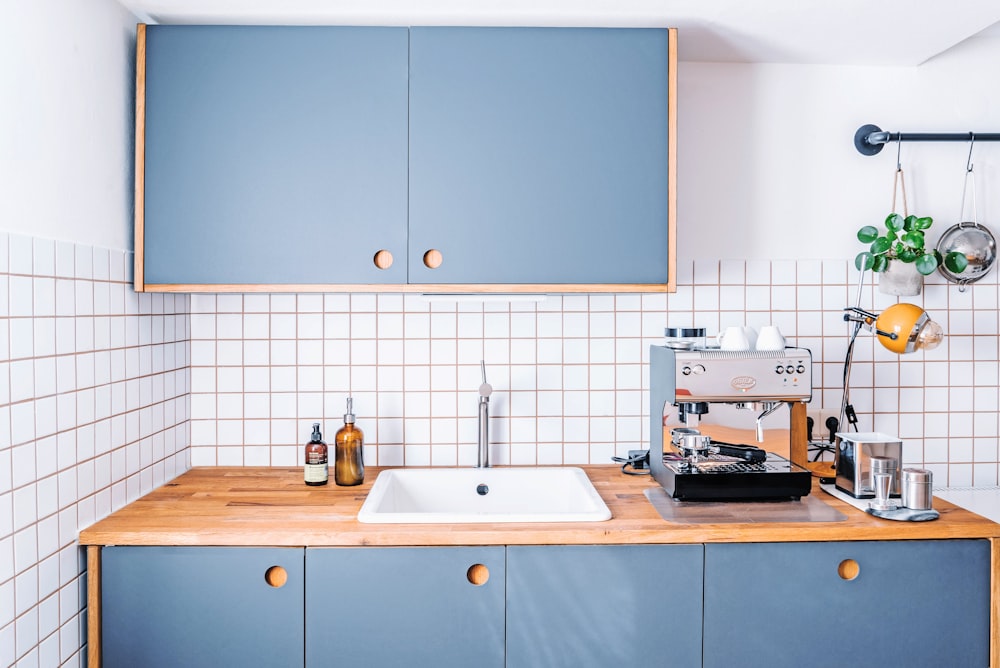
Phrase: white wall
(67,76)
(768,168)
(93,377)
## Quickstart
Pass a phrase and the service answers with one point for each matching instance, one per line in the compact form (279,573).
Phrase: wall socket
(820,431)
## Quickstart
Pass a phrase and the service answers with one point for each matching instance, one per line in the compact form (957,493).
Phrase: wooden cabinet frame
(140,160)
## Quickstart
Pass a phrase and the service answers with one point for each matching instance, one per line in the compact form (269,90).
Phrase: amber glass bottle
(349,468)
(317,470)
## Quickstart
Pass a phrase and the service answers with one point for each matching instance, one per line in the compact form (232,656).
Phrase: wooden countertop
(239,506)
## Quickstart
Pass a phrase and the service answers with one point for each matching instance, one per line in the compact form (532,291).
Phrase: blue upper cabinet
(273,155)
(417,159)
(541,155)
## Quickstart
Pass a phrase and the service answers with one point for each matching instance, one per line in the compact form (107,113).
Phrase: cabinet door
(604,605)
(539,155)
(400,606)
(899,603)
(274,154)
(201,606)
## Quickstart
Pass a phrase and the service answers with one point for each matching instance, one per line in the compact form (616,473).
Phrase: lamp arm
(856,314)
(866,318)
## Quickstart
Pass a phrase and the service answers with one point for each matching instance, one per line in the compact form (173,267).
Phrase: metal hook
(899,146)
(972,141)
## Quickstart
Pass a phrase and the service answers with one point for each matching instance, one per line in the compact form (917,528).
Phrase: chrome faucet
(485,390)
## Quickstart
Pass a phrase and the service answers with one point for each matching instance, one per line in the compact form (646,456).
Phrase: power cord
(637,459)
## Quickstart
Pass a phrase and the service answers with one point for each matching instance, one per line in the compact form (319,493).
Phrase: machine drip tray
(806,509)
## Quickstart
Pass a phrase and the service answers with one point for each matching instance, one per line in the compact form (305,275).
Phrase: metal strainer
(971,239)
(976,243)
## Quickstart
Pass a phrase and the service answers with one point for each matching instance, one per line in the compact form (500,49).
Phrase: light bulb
(929,337)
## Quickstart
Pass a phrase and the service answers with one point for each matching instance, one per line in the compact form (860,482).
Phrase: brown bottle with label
(349,468)
(317,470)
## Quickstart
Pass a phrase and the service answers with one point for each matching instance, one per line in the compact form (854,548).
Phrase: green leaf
(881,262)
(914,239)
(906,255)
(864,261)
(955,262)
(923,223)
(894,222)
(867,234)
(880,245)
(926,264)
(910,223)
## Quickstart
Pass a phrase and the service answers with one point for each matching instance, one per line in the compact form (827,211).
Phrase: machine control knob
(779,369)
(686,371)
(800,368)
(789,369)
(698,369)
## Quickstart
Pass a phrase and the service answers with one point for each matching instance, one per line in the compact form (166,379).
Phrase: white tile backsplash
(572,367)
(84,382)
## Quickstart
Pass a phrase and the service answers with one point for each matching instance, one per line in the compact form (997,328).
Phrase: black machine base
(717,478)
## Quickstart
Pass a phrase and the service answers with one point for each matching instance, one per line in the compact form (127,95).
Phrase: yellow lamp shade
(913,328)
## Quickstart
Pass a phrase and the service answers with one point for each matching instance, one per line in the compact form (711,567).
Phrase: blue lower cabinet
(405,606)
(898,603)
(201,606)
(604,606)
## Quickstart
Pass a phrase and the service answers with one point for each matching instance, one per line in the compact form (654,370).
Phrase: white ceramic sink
(464,495)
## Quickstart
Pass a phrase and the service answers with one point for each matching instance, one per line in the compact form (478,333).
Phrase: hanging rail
(869,139)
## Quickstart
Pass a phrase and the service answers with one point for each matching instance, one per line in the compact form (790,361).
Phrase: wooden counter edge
(94,606)
(995,603)
(163,517)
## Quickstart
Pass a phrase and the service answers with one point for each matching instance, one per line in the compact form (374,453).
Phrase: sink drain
(482,489)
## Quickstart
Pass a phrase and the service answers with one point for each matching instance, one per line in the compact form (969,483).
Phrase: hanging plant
(904,240)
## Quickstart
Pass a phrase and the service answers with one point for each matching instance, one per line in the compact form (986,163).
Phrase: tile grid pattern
(569,373)
(96,406)
(93,414)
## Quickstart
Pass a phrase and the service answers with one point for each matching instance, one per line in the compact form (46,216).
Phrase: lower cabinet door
(898,603)
(201,606)
(606,606)
(405,606)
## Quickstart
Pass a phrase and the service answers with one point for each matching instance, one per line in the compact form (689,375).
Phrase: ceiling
(836,32)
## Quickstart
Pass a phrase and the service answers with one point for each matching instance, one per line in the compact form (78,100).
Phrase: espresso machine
(695,457)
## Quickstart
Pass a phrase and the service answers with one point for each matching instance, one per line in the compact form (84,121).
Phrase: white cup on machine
(770,338)
(733,338)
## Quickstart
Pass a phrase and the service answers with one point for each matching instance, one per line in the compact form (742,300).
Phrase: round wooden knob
(848,569)
(383,259)
(478,574)
(433,259)
(276,576)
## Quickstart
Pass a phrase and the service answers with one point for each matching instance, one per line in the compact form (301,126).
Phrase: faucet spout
(485,390)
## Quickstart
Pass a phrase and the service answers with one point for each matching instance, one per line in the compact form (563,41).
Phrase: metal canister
(918,489)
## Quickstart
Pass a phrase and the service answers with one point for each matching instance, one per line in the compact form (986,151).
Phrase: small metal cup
(883,473)
(677,435)
(918,490)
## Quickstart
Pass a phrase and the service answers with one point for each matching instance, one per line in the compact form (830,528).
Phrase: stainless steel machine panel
(735,376)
